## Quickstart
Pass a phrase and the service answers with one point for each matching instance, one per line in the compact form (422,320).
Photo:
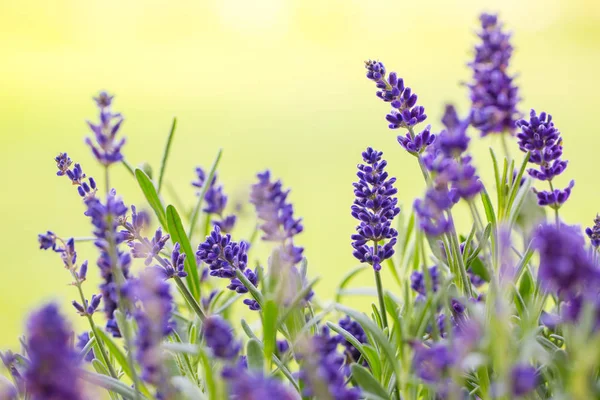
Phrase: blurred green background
(276,83)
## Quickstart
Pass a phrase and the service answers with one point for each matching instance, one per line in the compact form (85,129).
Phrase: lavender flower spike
(53,368)
(375,207)
(219,338)
(216,201)
(405,113)
(105,145)
(594,232)
(494,96)
(154,323)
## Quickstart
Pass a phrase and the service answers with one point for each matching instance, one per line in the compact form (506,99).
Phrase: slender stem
(380,291)
(461,262)
(119,280)
(189,298)
(556,218)
(505,145)
(93,327)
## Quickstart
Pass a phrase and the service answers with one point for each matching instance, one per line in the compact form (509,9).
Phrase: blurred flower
(219,338)
(375,207)
(524,379)
(53,371)
(321,369)
(494,96)
(277,215)
(149,250)
(105,146)
(154,324)
(594,232)
(82,341)
(431,364)
(139,222)
(105,217)
(355,330)
(417,281)
(246,385)
(216,200)
(464,178)
(431,210)
(565,266)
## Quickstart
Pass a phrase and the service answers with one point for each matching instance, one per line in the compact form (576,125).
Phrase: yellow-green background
(276,83)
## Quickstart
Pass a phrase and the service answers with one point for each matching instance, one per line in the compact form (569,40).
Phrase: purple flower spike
(417,144)
(494,96)
(594,232)
(105,146)
(375,207)
(53,369)
(150,250)
(406,113)
(355,330)
(431,210)
(154,324)
(432,363)
(465,181)
(556,198)
(524,379)
(82,341)
(417,281)
(219,338)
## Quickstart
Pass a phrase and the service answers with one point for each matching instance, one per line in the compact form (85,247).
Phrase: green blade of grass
(152,197)
(165,157)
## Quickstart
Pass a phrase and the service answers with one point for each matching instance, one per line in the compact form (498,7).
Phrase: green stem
(505,146)
(461,262)
(189,298)
(93,327)
(380,292)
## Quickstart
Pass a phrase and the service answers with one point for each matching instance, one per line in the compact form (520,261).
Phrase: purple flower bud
(219,338)
(82,341)
(104,145)
(524,379)
(47,240)
(554,199)
(594,232)
(63,162)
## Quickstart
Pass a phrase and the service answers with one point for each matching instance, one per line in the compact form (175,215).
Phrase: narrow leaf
(152,197)
(367,382)
(111,384)
(116,352)
(254,352)
(347,279)
(178,235)
(165,157)
(188,389)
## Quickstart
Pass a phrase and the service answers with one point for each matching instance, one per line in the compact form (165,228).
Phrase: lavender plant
(508,309)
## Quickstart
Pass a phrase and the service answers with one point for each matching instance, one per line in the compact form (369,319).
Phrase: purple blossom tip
(220,339)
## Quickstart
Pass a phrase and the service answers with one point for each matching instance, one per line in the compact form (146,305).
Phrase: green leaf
(378,336)
(187,388)
(516,183)
(209,379)
(116,352)
(269,321)
(372,354)
(178,235)
(496,175)
(91,343)
(377,316)
(347,279)
(128,167)
(165,157)
(488,207)
(181,348)
(353,341)
(254,352)
(209,178)
(366,381)
(111,384)
(152,197)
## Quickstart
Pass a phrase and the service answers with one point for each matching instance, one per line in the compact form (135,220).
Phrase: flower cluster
(594,232)
(542,140)
(374,207)
(76,176)
(322,372)
(494,96)
(224,257)
(154,324)
(220,339)
(53,368)
(215,199)
(105,218)
(105,145)
(355,330)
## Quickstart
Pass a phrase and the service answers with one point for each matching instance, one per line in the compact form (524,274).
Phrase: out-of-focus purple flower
(464,178)
(105,218)
(282,346)
(322,369)
(355,330)
(524,378)
(431,364)
(150,250)
(494,96)
(53,368)
(9,359)
(417,144)
(8,391)
(374,207)
(565,266)
(277,215)
(105,145)
(556,198)
(216,200)
(247,385)
(219,338)
(82,341)
(431,210)
(454,140)
(206,300)
(139,222)
(154,324)
(417,281)
(594,232)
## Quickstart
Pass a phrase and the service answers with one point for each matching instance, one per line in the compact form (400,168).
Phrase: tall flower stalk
(375,207)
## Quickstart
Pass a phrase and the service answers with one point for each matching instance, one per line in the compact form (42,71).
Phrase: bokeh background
(277,84)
